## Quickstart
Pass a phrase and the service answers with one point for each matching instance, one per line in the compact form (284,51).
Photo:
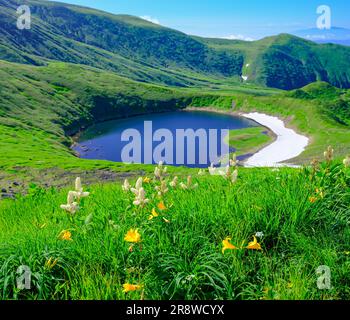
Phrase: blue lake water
(103,141)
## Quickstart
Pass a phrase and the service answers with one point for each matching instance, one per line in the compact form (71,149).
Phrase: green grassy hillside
(77,67)
(127,45)
(288,62)
(40,107)
(147,52)
(302,217)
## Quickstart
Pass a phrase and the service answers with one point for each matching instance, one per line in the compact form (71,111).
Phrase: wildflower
(320,193)
(72,207)
(212,169)
(313,199)
(162,189)
(189,184)
(126,185)
(183,186)
(173,183)
(49,264)
(160,171)
(140,197)
(254,245)
(65,235)
(346,162)
(234,176)
(259,234)
(234,162)
(315,165)
(133,236)
(231,176)
(161,206)
(131,287)
(328,154)
(138,186)
(218,172)
(201,172)
(154,214)
(157,173)
(79,193)
(147,180)
(166,220)
(227,245)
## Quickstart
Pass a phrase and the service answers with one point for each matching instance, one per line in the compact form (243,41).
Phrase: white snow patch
(288,145)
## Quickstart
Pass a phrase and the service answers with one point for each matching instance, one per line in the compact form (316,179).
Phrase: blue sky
(225,18)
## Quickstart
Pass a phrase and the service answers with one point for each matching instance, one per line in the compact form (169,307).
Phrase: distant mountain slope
(146,52)
(334,35)
(114,42)
(289,62)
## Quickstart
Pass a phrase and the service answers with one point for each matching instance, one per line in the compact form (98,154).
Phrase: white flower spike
(138,186)
(79,193)
(140,199)
(72,207)
(126,185)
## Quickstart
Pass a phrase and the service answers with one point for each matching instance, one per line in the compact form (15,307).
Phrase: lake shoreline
(264,156)
(285,137)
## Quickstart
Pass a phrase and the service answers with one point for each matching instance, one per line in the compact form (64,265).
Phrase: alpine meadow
(272,224)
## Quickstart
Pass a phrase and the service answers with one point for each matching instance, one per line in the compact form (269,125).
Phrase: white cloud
(150,19)
(316,37)
(238,37)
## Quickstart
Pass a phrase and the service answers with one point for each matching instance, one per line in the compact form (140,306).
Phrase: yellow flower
(161,206)
(154,214)
(312,199)
(132,236)
(131,287)
(254,245)
(227,245)
(65,235)
(49,264)
(166,220)
(320,193)
(147,180)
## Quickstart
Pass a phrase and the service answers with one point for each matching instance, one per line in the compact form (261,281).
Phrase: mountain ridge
(146,52)
(336,35)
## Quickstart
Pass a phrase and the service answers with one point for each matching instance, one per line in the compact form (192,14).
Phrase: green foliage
(182,259)
(288,62)
(143,51)
(249,140)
